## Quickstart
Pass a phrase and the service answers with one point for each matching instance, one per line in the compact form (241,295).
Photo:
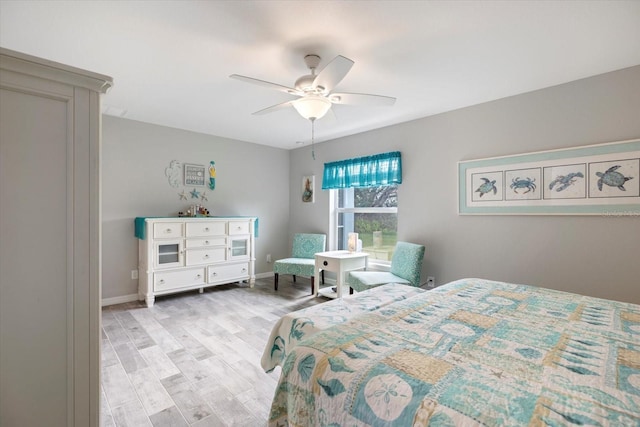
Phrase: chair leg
(322,272)
(294,278)
(350,290)
(275,281)
(313,288)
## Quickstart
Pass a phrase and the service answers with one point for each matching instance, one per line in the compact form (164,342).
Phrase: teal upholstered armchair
(406,265)
(302,261)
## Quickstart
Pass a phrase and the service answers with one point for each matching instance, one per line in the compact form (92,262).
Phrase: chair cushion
(306,245)
(407,261)
(363,280)
(295,266)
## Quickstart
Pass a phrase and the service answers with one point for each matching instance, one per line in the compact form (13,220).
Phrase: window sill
(377,265)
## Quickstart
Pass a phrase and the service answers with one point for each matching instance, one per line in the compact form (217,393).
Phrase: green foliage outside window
(376,197)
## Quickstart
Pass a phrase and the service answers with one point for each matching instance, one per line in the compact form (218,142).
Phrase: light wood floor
(194,359)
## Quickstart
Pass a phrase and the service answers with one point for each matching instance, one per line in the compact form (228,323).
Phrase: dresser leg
(150,299)
(275,281)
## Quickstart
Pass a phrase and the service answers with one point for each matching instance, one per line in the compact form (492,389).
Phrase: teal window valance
(370,171)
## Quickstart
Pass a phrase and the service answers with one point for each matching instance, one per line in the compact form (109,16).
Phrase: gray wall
(251,180)
(593,255)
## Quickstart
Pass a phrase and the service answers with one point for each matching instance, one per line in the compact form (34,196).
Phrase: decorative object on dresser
(302,262)
(181,254)
(406,266)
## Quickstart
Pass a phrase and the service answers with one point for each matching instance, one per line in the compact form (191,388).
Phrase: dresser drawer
(206,256)
(165,230)
(206,242)
(238,227)
(227,273)
(178,279)
(206,228)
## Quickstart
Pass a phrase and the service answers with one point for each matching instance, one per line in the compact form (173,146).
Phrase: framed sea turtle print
(600,179)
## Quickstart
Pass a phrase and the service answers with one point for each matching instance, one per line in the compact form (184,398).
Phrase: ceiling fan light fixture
(312,107)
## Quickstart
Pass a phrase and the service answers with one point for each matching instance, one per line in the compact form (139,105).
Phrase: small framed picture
(308,193)
(522,184)
(488,186)
(194,174)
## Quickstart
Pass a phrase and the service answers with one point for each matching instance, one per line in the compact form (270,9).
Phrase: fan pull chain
(313,153)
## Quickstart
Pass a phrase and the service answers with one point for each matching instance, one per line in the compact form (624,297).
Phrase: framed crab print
(601,179)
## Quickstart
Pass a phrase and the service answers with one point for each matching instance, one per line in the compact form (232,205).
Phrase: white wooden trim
(50,70)
(119,300)
(264,275)
(80,90)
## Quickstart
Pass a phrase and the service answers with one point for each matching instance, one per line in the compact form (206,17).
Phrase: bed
(472,352)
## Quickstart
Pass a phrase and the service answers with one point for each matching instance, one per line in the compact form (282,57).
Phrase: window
(372,213)
(364,200)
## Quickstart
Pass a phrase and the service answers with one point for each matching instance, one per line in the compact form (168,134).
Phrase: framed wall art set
(601,179)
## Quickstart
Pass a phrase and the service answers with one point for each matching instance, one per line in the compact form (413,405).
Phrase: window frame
(335,211)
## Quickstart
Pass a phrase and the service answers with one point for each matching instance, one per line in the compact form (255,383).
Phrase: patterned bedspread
(473,352)
(301,324)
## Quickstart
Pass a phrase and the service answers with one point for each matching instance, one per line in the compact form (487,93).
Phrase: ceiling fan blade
(273,108)
(361,99)
(333,73)
(281,88)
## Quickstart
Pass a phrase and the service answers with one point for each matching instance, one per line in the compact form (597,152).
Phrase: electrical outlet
(134,274)
(431,282)
(268,257)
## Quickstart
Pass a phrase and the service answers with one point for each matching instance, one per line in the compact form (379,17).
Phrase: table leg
(316,280)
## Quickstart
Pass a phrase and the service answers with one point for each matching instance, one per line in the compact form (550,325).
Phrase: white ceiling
(171,60)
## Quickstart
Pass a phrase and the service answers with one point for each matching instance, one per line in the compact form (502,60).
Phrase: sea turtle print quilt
(469,353)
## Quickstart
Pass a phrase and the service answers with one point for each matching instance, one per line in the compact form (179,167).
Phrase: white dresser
(181,254)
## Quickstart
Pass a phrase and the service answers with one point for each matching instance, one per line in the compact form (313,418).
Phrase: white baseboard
(119,300)
(134,297)
(327,281)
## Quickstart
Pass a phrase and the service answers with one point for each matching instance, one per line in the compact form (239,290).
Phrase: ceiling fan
(315,91)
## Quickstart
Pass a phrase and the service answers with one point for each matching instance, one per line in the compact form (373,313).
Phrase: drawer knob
(244,270)
(161,280)
(206,256)
(206,229)
(206,242)
(215,274)
(198,276)
(325,263)
(168,230)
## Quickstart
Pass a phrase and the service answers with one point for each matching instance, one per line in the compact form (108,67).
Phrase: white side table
(339,262)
